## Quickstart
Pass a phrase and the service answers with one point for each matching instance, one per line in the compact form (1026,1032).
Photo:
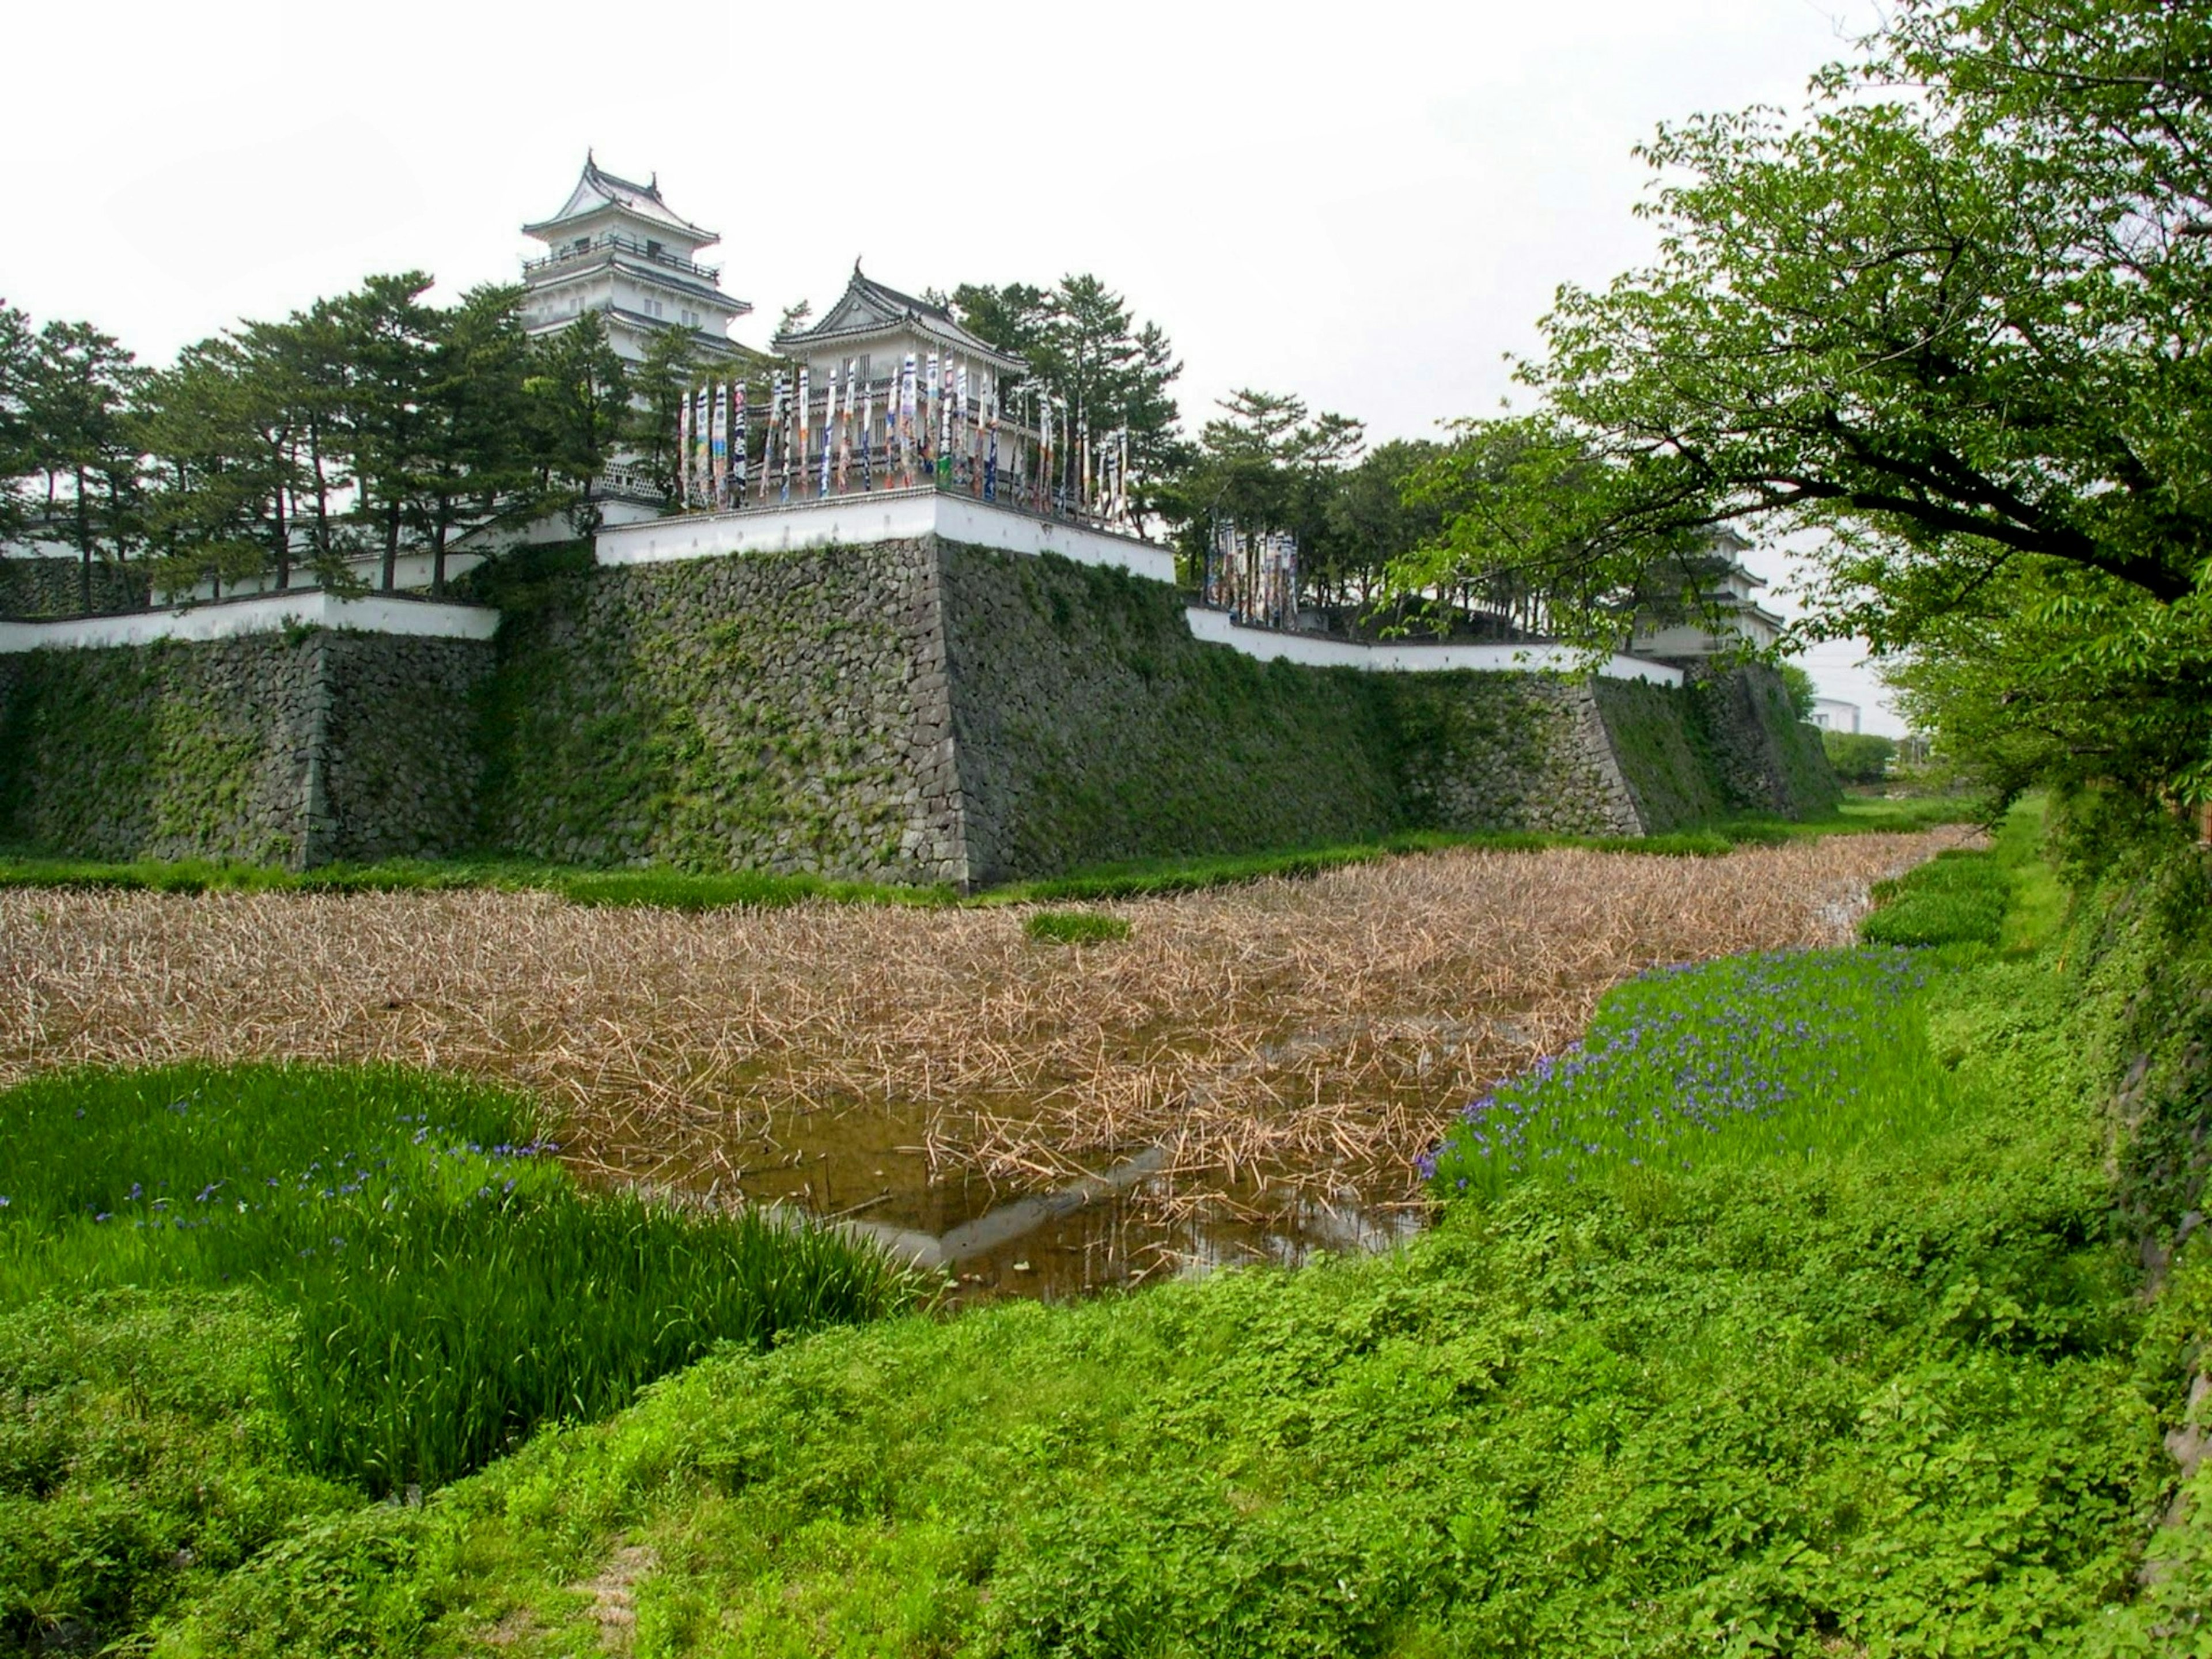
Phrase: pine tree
(78,392)
(476,468)
(658,386)
(390,338)
(578,392)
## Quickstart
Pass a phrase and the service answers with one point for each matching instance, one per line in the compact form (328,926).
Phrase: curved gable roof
(868,307)
(596,189)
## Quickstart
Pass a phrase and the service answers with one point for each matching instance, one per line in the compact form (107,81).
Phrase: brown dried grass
(1283,1029)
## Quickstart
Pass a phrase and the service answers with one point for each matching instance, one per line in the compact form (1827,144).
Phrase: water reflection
(1127,1223)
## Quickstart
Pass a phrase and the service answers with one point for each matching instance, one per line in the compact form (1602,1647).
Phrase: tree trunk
(391,546)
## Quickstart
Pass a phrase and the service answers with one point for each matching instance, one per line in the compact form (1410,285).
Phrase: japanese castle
(617,248)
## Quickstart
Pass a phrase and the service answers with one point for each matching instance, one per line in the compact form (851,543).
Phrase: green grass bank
(233,1300)
(685,889)
(1869,1372)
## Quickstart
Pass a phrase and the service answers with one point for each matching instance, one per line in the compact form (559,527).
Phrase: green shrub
(1859,757)
(1074,927)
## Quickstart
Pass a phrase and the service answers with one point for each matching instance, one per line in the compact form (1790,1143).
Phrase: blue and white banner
(718,443)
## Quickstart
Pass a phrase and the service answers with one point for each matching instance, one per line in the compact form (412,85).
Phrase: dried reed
(1311,1029)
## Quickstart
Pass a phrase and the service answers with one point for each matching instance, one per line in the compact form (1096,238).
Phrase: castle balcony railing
(611,243)
(961,478)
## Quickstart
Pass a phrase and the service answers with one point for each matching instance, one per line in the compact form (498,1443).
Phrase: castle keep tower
(617,248)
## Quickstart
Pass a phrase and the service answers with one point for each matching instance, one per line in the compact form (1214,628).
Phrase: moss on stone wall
(34,588)
(403,754)
(1661,746)
(201,750)
(911,712)
(776,711)
(1766,759)
(1724,744)
(166,751)
(1091,728)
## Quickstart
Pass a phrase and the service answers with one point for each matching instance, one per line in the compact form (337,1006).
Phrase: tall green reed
(452,1288)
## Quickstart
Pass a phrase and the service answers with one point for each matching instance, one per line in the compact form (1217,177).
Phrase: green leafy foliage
(1859,757)
(140,1460)
(1947,316)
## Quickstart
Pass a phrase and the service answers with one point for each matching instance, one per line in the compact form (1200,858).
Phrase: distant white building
(616,247)
(1833,714)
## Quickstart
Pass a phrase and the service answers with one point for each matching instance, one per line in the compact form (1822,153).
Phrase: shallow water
(1122,1225)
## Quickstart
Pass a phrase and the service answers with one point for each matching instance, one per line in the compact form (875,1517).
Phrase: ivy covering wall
(166,751)
(1724,744)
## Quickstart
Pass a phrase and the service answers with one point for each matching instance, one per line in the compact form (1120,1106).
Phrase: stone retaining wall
(35,589)
(910,711)
(1092,727)
(293,748)
(785,712)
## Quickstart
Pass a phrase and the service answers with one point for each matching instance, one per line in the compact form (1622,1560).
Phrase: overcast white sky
(1368,206)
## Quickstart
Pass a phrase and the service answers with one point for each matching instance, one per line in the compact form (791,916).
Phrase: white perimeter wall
(1412,656)
(908,514)
(224,619)
(884,516)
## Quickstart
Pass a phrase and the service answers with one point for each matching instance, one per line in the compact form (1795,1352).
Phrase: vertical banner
(787,387)
(963,430)
(991,440)
(929,414)
(683,451)
(768,436)
(1083,464)
(906,421)
(719,447)
(829,433)
(945,419)
(868,432)
(804,453)
(740,438)
(845,423)
(702,405)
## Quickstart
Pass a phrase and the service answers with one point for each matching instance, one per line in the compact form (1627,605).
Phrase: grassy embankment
(696,890)
(1858,1364)
(233,1299)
